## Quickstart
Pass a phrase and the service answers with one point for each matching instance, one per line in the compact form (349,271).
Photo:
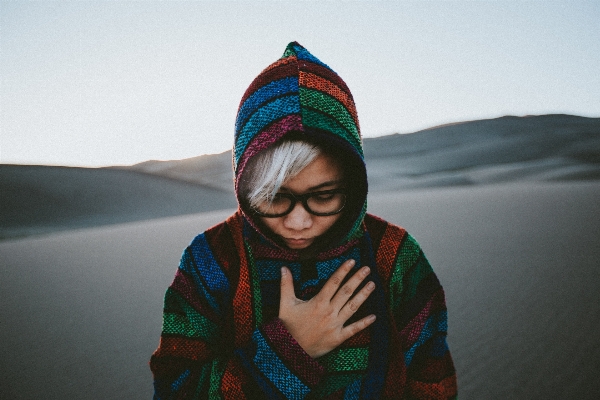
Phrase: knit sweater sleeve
(200,354)
(421,366)
(420,316)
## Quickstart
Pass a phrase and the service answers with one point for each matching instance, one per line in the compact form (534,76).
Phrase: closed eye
(280,197)
(324,197)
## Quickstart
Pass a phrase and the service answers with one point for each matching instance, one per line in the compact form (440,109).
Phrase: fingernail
(351,262)
(370,286)
(372,318)
(283,271)
(366,271)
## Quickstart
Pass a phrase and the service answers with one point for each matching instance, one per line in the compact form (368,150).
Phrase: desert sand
(38,200)
(81,310)
(507,211)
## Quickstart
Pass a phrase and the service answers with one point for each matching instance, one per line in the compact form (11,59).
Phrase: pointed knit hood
(300,97)
(222,335)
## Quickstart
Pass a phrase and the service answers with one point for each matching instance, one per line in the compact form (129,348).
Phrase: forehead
(323,172)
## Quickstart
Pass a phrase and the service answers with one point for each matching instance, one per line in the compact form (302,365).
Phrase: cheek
(326,223)
(270,223)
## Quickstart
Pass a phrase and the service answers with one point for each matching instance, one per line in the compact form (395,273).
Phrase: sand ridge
(506,210)
(41,200)
(518,264)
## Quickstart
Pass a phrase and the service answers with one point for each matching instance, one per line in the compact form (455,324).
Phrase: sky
(99,83)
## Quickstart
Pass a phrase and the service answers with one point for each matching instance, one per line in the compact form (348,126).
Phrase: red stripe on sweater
(242,304)
(278,70)
(441,390)
(388,251)
(184,348)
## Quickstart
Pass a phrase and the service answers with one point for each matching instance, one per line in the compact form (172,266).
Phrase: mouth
(299,243)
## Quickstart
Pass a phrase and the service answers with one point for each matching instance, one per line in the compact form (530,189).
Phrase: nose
(298,218)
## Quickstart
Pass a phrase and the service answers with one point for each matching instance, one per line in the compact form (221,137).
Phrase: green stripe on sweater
(329,105)
(346,360)
(408,254)
(191,324)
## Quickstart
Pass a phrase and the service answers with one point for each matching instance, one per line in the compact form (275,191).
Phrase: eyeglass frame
(303,199)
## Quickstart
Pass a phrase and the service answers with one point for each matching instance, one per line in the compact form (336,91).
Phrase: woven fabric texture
(301,96)
(221,336)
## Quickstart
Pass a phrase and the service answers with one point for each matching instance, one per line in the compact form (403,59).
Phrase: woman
(301,293)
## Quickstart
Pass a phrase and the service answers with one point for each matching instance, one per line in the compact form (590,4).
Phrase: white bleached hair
(274,166)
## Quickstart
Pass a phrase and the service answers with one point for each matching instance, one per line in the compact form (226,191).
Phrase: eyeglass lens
(325,202)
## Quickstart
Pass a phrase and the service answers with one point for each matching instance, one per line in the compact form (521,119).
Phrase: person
(301,293)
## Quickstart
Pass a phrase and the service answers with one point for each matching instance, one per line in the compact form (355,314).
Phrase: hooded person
(301,293)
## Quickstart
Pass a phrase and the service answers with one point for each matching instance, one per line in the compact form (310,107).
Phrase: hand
(318,324)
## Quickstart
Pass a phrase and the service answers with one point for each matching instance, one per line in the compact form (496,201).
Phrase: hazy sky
(95,83)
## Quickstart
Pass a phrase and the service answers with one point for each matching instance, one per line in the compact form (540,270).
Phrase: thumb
(287,286)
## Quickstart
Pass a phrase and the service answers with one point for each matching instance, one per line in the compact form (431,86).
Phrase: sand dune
(81,310)
(507,211)
(506,149)
(212,170)
(37,200)
(520,267)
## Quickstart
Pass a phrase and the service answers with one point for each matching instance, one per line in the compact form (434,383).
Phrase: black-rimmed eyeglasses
(322,203)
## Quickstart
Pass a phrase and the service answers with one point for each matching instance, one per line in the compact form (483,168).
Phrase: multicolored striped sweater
(222,338)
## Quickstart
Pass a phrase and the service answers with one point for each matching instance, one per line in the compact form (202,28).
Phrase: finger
(287,287)
(357,326)
(355,302)
(346,291)
(334,282)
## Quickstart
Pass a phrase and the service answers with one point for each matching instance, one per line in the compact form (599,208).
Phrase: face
(299,229)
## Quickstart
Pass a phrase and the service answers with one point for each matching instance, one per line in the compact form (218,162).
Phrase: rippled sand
(81,309)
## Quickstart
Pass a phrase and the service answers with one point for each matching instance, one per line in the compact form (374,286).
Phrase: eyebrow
(320,186)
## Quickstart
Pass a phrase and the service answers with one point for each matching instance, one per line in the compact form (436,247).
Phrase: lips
(297,243)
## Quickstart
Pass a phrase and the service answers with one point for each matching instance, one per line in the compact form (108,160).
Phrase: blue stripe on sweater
(176,385)
(187,265)
(206,272)
(372,384)
(270,270)
(209,267)
(273,89)
(352,390)
(263,117)
(269,363)
(304,54)
(268,391)
(440,347)
(435,323)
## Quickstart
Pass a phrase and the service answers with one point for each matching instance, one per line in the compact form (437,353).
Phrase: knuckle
(352,305)
(331,315)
